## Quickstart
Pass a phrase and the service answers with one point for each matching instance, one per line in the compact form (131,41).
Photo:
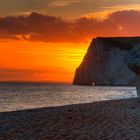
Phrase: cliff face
(133,59)
(104,62)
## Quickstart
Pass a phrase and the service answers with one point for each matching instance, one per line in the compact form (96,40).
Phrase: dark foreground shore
(106,120)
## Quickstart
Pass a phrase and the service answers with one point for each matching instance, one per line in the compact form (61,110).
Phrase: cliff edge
(104,62)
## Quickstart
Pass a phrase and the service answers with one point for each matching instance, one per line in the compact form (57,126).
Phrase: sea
(20,96)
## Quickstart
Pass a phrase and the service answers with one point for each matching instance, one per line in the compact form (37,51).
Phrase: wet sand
(106,120)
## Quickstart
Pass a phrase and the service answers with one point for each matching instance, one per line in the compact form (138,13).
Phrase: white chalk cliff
(104,62)
(133,62)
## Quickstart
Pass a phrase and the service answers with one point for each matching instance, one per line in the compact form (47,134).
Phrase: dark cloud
(38,27)
(63,8)
(17,74)
(14,74)
(9,72)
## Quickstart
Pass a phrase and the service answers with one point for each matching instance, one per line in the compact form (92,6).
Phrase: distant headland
(104,62)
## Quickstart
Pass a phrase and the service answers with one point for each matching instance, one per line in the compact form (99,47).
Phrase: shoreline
(114,119)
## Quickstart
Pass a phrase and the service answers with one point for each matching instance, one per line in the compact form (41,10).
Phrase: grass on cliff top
(122,42)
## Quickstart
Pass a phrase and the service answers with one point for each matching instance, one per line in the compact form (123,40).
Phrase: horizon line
(47,82)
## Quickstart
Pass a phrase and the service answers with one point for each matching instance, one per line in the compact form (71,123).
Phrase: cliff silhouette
(104,62)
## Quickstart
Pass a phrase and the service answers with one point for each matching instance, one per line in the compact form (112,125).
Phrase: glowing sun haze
(45,40)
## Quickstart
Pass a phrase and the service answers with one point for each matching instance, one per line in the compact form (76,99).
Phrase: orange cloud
(104,12)
(39,27)
(63,3)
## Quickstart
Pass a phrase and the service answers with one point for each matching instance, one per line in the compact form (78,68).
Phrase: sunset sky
(46,40)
